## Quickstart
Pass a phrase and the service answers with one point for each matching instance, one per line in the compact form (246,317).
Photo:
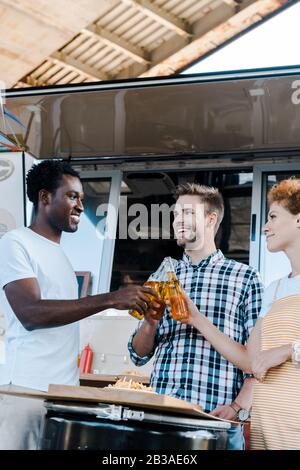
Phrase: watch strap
(248,376)
(235,406)
(239,409)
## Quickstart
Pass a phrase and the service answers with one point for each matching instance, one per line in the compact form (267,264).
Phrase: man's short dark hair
(46,175)
(210,196)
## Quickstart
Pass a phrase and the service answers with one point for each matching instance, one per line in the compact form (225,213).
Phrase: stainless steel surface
(185,421)
(113,412)
(121,413)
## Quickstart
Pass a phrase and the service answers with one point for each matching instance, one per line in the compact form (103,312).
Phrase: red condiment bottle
(86,358)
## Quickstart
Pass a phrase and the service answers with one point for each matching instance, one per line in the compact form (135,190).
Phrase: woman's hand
(194,312)
(269,358)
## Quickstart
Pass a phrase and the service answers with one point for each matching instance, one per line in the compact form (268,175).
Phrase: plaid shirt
(185,365)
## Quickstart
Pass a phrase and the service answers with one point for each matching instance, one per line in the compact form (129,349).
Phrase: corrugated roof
(63,41)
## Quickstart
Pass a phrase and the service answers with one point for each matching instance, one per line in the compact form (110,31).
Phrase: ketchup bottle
(86,360)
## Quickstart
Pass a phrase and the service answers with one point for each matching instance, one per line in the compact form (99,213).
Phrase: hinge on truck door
(112,412)
(133,414)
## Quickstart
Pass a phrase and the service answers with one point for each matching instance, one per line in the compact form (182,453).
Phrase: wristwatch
(242,413)
(296,354)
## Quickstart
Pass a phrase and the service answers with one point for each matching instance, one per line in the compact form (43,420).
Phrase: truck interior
(137,256)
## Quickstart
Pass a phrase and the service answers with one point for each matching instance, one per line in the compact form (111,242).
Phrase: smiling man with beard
(39,295)
(226,292)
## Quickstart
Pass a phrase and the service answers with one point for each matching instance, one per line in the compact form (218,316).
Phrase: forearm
(24,297)
(144,339)
(245,397)
(284,353)
(233,351)
(53,313)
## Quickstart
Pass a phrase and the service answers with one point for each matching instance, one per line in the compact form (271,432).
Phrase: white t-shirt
(37,358)
(287,286)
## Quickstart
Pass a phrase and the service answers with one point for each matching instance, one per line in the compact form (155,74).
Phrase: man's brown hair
(286,193)
(211,197)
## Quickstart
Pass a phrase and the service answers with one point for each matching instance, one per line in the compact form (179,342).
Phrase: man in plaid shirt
(229,293)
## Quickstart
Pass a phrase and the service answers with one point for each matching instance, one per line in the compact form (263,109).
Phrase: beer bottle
(174,292)
(157,312)
(136,314)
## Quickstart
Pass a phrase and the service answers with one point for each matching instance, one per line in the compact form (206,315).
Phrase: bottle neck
(171,276)
(169,269)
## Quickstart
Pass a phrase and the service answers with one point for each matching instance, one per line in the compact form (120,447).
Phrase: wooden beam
(110,39)
(77,66)
(224,12)
(214,18)
(207,38)
(176,43)
(168,48)
(161,16)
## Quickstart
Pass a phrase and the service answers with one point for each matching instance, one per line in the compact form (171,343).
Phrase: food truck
(132,142)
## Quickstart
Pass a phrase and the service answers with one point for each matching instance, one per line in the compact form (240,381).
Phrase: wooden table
(102,380)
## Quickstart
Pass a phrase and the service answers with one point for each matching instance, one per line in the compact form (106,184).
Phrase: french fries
(131,384)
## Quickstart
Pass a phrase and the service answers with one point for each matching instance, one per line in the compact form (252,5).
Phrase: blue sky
(274,43)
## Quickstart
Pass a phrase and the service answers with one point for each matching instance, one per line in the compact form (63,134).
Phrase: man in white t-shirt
(40,302)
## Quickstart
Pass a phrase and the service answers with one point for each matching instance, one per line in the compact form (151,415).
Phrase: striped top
(277,290)
(275,421)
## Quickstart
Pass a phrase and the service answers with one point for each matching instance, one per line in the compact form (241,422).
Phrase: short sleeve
(253,302)
(14,262)
(268,298)
(136,359)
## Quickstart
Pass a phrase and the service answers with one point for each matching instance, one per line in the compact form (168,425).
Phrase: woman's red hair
(286,193)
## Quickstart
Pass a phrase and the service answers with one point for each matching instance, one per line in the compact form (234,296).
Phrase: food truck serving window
(145,235)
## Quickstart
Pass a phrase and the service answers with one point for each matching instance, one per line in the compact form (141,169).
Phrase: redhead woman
(272,353)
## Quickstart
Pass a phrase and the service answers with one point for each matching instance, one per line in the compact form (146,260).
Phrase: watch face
(297,356)
(243,415)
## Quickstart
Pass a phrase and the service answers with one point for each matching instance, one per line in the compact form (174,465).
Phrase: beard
(186,241)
